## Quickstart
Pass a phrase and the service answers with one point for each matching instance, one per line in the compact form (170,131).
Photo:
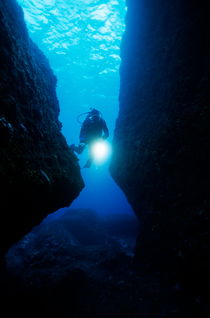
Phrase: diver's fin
(88,163)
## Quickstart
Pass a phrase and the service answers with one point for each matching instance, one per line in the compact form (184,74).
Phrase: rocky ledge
(38,171)
(161,144)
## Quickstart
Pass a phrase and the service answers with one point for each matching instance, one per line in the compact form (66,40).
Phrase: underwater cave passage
(79,261)
(82,39)
(94,238)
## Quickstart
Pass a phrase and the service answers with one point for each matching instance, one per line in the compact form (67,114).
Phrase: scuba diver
(93,128)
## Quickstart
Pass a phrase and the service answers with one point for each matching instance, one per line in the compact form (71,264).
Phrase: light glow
(100,151)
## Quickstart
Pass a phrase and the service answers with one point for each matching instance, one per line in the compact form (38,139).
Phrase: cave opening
(78,264)
(81,40)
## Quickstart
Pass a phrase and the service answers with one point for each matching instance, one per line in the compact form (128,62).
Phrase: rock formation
(38,171)
(75,264)
(161,142)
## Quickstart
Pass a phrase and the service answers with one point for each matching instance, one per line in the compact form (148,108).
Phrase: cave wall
(161,140)
(38,171)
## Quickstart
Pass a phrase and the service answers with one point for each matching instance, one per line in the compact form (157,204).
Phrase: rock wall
(38,171)
(161,138)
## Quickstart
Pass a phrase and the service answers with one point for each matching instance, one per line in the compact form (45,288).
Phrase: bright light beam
(100,151)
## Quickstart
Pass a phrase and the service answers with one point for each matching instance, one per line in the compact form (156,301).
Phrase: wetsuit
(93,127)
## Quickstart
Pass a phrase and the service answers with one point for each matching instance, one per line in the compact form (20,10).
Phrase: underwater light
(100,150)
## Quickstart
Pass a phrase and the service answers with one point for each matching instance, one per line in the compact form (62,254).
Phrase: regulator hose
(78,117)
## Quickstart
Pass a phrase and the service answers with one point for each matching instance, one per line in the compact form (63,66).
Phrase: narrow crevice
(83,260)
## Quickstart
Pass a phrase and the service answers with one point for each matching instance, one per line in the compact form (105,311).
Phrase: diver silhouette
(93,128)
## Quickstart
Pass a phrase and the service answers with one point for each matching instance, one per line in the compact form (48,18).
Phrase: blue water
(81,39)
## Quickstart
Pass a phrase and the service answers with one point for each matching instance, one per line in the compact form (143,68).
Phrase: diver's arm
(105,130)
(83,133)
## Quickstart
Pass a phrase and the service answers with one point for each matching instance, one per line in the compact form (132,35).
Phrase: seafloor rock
(38,171)
(161,143)
(79,264)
